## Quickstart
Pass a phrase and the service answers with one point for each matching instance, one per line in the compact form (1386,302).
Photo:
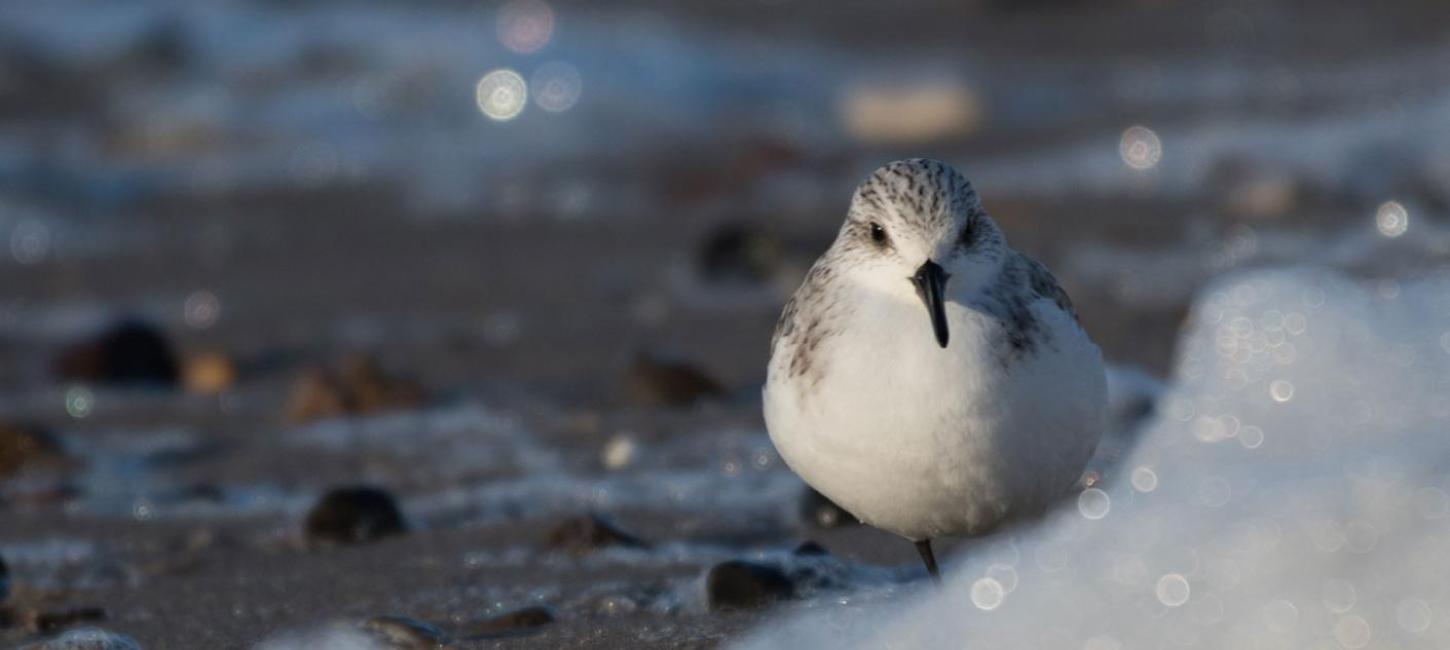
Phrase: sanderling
(985,407)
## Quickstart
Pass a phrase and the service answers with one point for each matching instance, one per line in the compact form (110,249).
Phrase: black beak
(931,284)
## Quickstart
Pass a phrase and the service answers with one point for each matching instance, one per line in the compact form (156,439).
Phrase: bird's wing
(807,294)
(1041,281)
(786,323)
(801,327)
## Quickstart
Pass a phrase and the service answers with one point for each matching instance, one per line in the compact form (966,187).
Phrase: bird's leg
(924,548)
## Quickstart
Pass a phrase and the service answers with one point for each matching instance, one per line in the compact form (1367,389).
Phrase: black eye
(878,234)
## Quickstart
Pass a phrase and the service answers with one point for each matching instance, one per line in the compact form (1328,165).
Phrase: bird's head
(917,228)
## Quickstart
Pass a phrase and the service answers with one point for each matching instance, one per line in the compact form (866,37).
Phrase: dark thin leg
(924,548)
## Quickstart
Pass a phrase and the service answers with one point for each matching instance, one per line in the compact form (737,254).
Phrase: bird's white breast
(925,441)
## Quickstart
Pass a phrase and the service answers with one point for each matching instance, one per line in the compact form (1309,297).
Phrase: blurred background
(517,264)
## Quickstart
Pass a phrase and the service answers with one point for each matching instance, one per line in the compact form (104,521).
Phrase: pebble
(514,623)
(24,446)
(353,515)
(128,353)
(356,386)
(584,534)
(404,633)
(810,548)
(652,381)
(817,511)
(738,584)
(208,373)
(88,639)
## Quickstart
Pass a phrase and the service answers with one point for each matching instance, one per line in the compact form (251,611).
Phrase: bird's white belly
(926,442)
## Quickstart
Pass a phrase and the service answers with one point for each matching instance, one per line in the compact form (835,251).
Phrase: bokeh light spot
(1414,615)
(1339,596)
(1172,590)
(525,26)
(201,310)
(557,86)
(1144,479)
(502,94)
(1005,575)
(1093,503)
(1392,219)
(79,402)
(1281,390)
(1140,148)
(987,594)
(1251,437)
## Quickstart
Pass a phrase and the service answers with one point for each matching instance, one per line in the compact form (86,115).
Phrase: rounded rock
(354,515)
(810,548)
(128,353)
(514,623)
(587,533)
(737,584)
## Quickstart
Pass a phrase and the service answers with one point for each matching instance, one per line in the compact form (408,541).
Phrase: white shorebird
(943,421)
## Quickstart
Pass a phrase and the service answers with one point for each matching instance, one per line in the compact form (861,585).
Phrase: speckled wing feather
(1045,285)
(803,320)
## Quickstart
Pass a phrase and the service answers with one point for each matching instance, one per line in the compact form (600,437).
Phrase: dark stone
(586,533)
(356,386)
(741,254)
(24,446)
(817,511)
(354,515)
(403,633)
(129,353)
(514,623)
(810,548)
(737,584)
(659,382)
(4,580)
(89,639)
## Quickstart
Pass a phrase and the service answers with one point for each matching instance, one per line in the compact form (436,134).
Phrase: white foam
(336,636)
(1243,541)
